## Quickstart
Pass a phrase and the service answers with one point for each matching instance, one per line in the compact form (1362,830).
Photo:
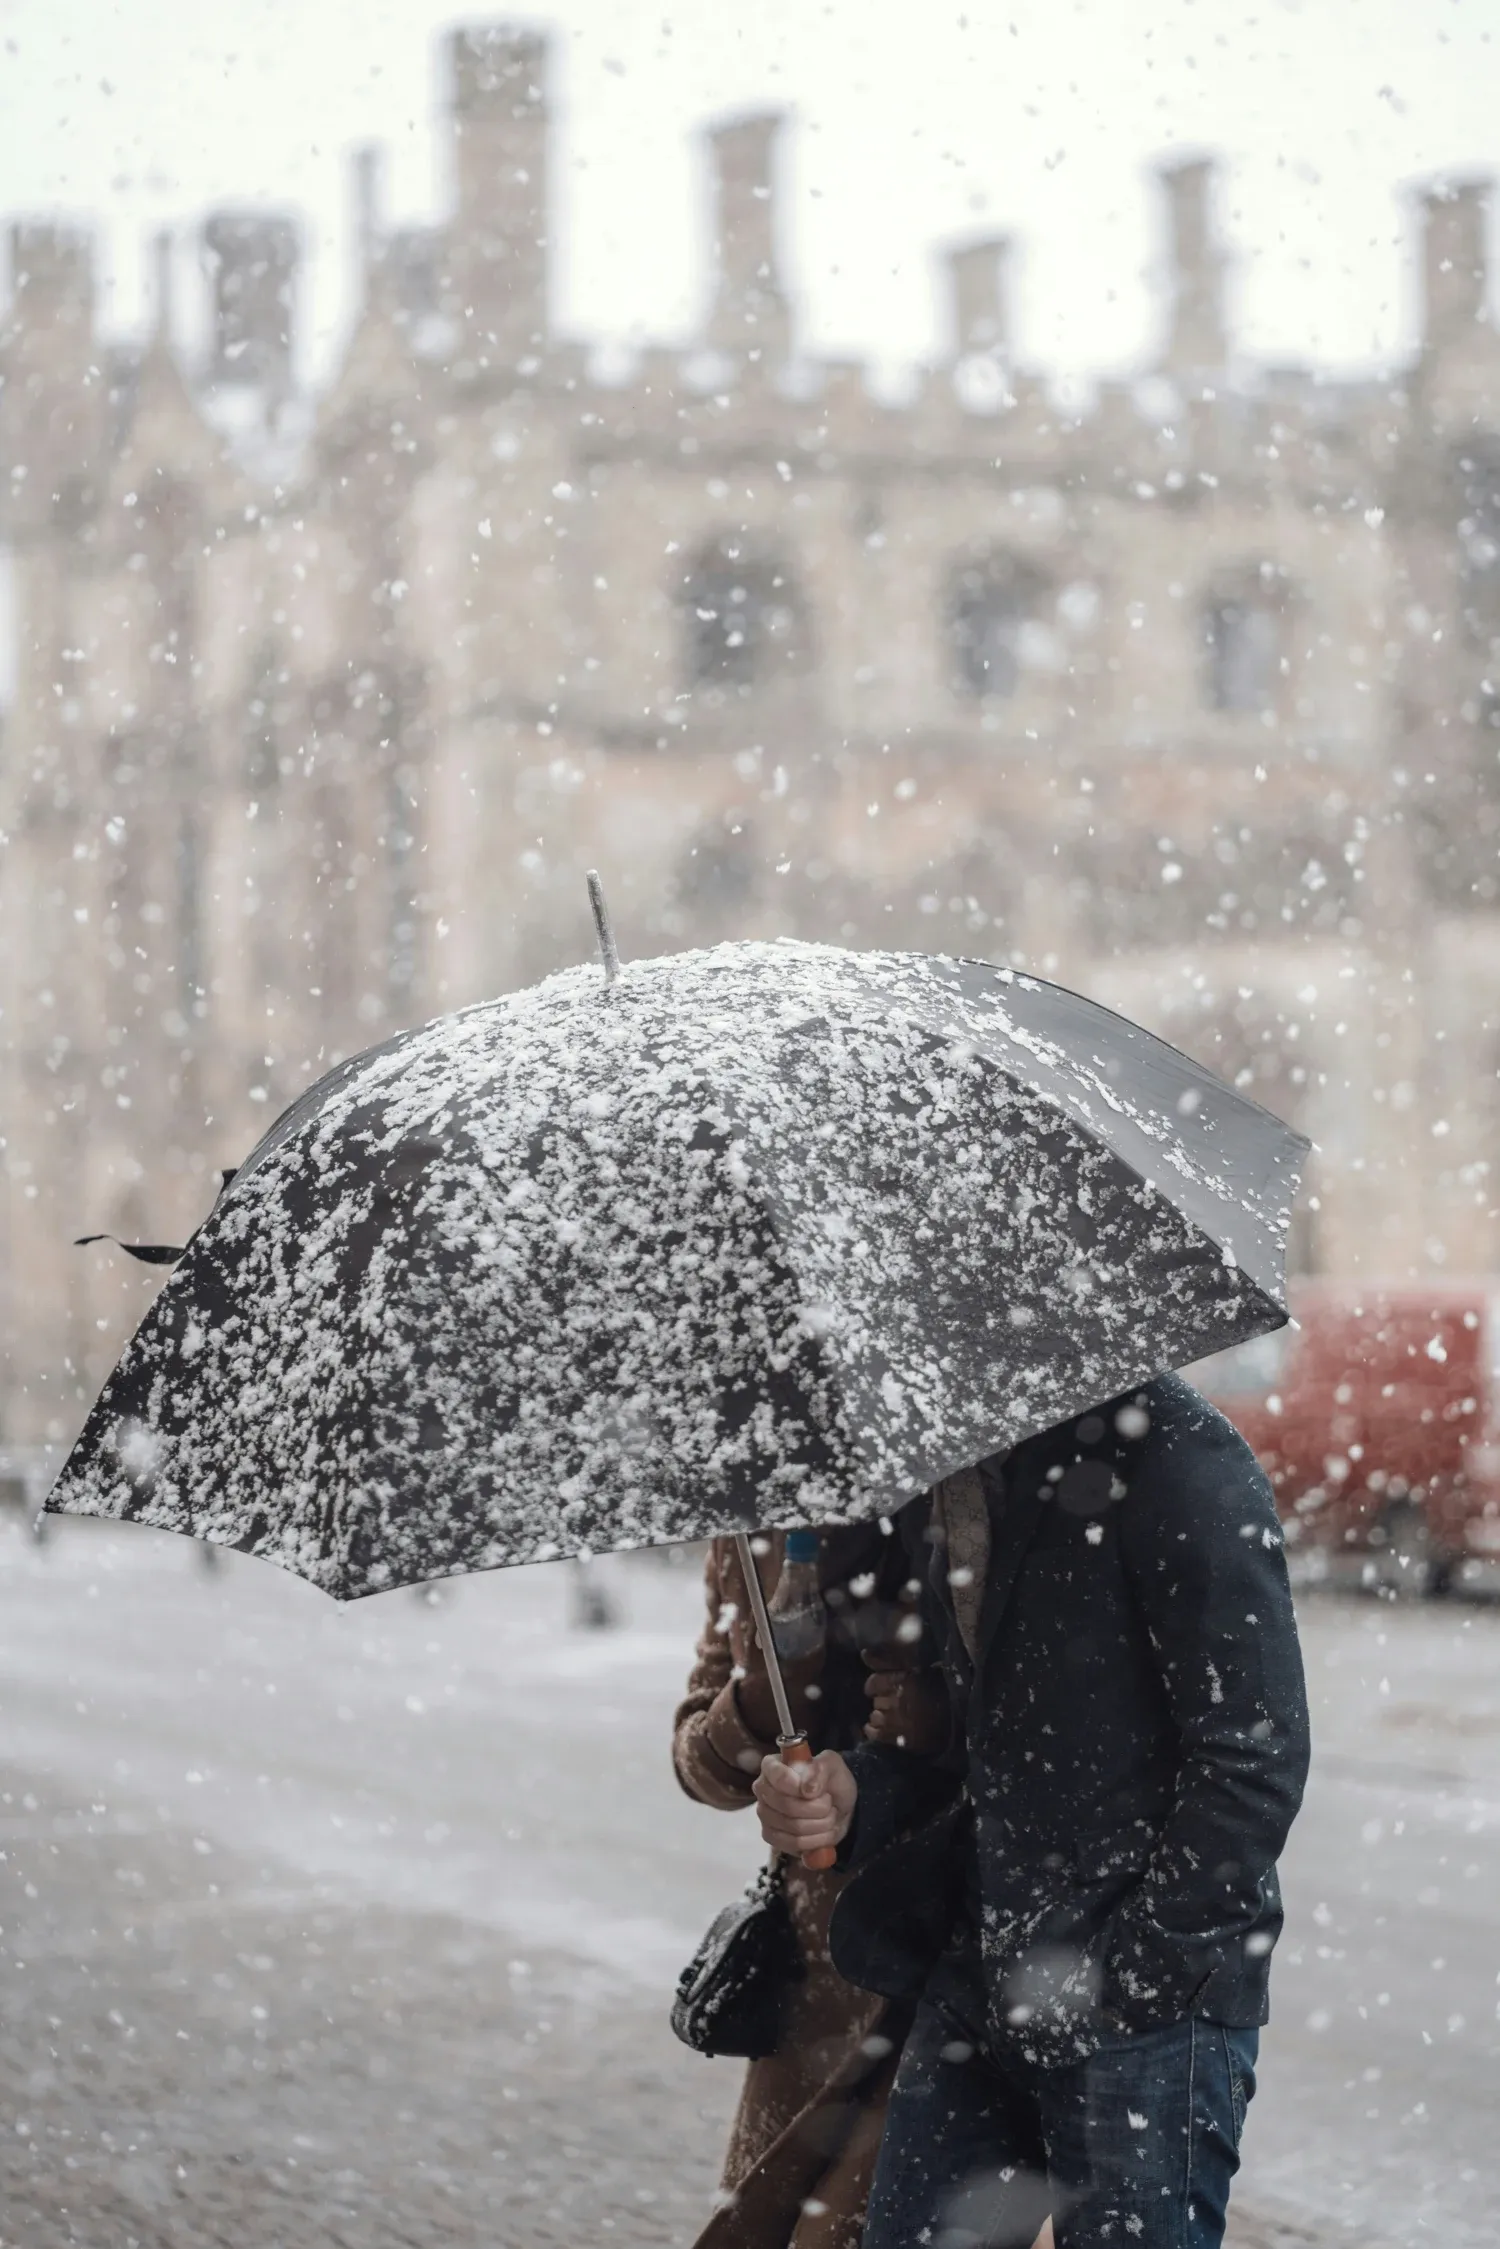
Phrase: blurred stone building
(323,704)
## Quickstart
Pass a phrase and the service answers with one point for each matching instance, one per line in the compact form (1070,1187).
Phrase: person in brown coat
(805,2135)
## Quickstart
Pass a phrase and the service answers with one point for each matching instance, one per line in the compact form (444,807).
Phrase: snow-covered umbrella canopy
(767,1234)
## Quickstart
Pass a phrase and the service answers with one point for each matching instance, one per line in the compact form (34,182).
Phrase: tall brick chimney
(253,259)
(1197,340)
(1455,259)
(977,306)
(497,248)
(749,313)
(51,276)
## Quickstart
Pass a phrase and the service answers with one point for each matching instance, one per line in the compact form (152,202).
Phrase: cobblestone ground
(189,2059)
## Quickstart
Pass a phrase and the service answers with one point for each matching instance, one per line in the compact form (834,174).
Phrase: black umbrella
(768,1234)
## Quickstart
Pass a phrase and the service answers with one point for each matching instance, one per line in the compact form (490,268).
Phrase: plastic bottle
(799,1621)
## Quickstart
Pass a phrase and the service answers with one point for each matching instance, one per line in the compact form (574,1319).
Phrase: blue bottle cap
(801,1546)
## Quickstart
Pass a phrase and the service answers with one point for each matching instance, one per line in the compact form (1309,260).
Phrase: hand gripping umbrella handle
(795,1747)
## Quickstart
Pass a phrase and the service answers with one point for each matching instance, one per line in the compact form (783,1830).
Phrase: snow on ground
(478,1792)
(469,1754)
(1383,2063)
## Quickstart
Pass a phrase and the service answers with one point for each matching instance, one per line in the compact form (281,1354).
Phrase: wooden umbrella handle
(796,1749)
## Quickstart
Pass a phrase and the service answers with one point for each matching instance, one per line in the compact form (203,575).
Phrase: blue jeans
(1134,2148)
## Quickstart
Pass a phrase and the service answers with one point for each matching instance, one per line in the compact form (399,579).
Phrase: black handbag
(730,1994)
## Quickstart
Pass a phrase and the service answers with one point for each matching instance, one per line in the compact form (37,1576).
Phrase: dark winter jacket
(1128,1756)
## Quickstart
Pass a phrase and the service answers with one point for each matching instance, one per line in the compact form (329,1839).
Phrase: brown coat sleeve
(715,1755)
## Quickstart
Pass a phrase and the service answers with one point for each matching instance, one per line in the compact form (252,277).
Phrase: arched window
(744,617)
(1245,640)
(991,601)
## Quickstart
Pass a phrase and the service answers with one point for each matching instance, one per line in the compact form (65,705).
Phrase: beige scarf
(962,1517)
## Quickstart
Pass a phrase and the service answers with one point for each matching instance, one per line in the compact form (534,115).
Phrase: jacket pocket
(1150,1977)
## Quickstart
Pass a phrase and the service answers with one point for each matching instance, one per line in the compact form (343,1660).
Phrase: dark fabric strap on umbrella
(151,1253)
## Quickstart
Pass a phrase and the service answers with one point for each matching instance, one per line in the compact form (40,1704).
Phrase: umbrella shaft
(765,1636)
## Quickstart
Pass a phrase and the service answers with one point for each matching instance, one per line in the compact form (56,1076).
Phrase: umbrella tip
(607,947)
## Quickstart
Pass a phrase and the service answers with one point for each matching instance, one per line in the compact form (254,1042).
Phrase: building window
(1478,479)
(990,604)
(1245,642)
(744,617)
(1304,1255)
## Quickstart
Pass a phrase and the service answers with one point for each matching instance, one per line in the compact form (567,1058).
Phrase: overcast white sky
(912,124)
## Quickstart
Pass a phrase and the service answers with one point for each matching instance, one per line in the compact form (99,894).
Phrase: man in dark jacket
(1081,1894)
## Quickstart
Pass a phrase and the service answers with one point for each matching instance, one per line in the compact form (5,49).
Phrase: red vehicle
(1377,1417)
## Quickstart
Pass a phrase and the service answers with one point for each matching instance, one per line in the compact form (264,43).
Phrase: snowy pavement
(297,1889)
